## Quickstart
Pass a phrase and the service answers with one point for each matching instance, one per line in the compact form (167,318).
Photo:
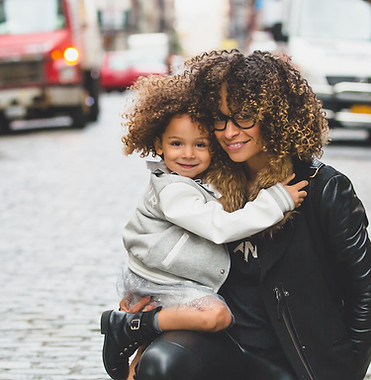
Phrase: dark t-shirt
(242,294)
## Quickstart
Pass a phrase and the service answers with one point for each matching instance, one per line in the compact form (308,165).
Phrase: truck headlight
(71,55)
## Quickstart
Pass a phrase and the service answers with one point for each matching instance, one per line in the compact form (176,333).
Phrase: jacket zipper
(283,314)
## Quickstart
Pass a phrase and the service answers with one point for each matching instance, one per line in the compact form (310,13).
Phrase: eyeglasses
(240,120)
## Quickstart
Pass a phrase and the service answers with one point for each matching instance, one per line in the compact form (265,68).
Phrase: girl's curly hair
(271,90)
(157,99)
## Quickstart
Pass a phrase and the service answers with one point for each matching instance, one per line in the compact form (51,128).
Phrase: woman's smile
(241,144)
(236,145)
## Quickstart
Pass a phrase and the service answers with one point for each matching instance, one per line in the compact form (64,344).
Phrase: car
(121,69)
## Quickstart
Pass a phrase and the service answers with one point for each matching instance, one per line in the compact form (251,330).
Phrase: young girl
(175,239)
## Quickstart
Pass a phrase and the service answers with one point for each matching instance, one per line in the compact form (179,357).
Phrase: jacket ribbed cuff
(282,197)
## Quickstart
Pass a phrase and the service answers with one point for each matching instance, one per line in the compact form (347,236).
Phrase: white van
(330,42)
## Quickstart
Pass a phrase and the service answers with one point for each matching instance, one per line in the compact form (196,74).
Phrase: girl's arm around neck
(185,206)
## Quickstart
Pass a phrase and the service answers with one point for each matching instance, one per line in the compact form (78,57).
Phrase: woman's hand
(144,304)
(295,191)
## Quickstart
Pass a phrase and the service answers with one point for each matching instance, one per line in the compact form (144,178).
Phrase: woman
(300,292)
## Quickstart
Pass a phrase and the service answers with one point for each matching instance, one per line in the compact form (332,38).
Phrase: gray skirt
(186,293)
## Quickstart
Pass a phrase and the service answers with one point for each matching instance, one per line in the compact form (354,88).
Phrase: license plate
(360,108)
(16,111)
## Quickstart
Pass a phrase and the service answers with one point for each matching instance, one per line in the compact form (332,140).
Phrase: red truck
(50,58)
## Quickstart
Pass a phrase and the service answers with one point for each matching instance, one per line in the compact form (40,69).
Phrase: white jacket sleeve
(184,206)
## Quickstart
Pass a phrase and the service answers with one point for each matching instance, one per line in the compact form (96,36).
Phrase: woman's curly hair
(157,99)
(271,90)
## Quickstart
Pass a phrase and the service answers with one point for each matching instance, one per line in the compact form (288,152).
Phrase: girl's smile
(185,147)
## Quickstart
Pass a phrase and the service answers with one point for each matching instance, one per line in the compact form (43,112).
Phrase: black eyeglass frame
(227,118)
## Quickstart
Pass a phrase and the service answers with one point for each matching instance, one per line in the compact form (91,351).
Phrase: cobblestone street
(65,197)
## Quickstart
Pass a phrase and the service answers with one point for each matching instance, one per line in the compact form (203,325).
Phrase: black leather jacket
(316,280)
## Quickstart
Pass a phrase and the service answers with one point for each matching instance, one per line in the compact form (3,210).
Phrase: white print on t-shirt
(246,247)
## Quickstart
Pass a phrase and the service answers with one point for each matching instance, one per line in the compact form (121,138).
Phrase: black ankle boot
(124,333)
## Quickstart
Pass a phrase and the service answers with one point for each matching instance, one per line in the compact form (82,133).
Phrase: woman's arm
(343,218)
(184,206)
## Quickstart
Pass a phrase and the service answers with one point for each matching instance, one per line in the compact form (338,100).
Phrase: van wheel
(92,86)
(78,118)
(94,95)
(368,138)
(4,124)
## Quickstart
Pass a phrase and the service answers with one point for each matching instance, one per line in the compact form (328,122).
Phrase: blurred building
(237,19)
(255,23)
(120,18)
(201,24)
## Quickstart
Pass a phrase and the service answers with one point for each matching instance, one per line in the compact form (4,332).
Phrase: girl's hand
(144,304)
(295,191)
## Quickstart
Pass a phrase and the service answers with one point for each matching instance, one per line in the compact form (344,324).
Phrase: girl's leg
(189,355)
(214,318)
(125,332)
(134,362)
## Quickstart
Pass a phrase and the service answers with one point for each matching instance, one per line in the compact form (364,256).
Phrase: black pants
(187,355)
